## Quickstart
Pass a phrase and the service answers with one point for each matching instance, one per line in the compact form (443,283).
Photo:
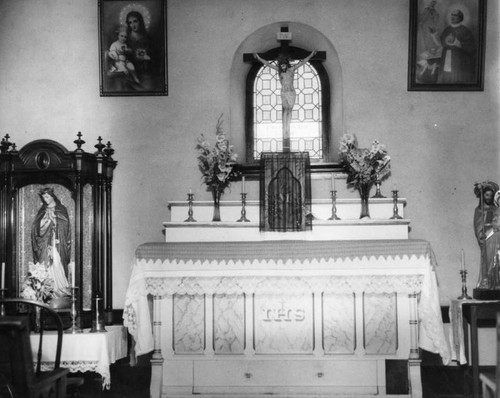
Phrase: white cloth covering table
(85,352)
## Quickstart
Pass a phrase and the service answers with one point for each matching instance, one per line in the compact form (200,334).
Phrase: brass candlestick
(464,296)
(378,194)
(74,314)
(243,217)
(190,209)
(334,205)
(395,212)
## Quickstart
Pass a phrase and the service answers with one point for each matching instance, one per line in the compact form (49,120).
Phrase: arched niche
(264,39)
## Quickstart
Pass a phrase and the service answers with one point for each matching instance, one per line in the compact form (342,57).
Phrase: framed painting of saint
(133,47)
(446,45)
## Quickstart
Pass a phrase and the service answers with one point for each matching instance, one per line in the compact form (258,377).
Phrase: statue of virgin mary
(51,240)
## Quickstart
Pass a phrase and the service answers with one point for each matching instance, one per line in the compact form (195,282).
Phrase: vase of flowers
(217,165)
(364,166)
(39,286)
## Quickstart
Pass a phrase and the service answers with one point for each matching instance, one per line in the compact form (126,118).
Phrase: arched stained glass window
(306,126)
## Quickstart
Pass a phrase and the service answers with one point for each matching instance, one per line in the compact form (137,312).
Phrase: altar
(288,317)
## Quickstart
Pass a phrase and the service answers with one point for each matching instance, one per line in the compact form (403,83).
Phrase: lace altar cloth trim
(83,366)
(270,251)
(406,266)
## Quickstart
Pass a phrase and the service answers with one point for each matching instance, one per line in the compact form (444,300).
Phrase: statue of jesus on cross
(280,60)
(286,73)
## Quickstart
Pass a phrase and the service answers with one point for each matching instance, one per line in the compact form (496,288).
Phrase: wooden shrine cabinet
(82,183)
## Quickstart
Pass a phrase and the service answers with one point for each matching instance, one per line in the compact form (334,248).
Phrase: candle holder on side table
(395,212)
(98,315)
(190,209)
(333,193)
(243,208)
(74,314)
(464,296)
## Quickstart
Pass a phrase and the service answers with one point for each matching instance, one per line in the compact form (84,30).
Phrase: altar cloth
(161,268)
(296,250)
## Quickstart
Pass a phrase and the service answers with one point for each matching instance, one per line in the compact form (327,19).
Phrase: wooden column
(157,358)
(108,297)
(414,358)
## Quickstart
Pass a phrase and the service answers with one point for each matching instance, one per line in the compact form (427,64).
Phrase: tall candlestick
(3,276)
(243,184)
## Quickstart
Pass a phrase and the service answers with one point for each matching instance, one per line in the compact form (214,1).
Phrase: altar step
(381,225)
(438,381)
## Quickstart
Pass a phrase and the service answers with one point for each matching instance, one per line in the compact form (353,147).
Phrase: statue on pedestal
(486,228)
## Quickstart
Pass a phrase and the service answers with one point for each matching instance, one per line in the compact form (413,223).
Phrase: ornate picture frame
(133,47)
(446,45)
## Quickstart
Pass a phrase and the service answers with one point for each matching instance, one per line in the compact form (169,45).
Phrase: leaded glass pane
(305,128)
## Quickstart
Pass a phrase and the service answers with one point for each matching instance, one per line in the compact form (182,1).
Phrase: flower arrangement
(217,163)
(38,284)
(363,165)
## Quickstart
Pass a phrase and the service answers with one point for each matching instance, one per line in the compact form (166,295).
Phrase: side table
(476,314)
(86,352)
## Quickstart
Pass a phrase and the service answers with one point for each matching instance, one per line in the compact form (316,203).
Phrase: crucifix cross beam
(285,50)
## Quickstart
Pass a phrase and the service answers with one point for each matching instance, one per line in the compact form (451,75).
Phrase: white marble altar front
(288,317)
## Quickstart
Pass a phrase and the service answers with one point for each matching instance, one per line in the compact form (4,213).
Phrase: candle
(190,191)
(333,182)
(73,275)
(395,188)
(463,260)
(3,276)
(243,184)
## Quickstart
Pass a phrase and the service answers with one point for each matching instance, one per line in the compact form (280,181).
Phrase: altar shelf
(289,317)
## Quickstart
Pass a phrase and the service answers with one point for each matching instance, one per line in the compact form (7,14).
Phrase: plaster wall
(440,142)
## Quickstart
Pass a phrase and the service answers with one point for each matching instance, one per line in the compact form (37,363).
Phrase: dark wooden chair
(19,375)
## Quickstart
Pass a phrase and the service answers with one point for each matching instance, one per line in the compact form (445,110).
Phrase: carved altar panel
(284,324)
(339,323)
(229,323)
(189,324)
(380,323)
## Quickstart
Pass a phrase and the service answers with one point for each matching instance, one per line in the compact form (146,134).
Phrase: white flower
(28,293)
(363,165)
(217,164)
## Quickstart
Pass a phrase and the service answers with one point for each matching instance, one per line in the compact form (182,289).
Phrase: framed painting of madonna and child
(133,47)
(446,45)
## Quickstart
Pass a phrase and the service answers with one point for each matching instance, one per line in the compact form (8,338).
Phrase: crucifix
(286,74)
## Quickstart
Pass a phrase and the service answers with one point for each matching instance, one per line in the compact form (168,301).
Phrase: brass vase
(216,195)
(364,192)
